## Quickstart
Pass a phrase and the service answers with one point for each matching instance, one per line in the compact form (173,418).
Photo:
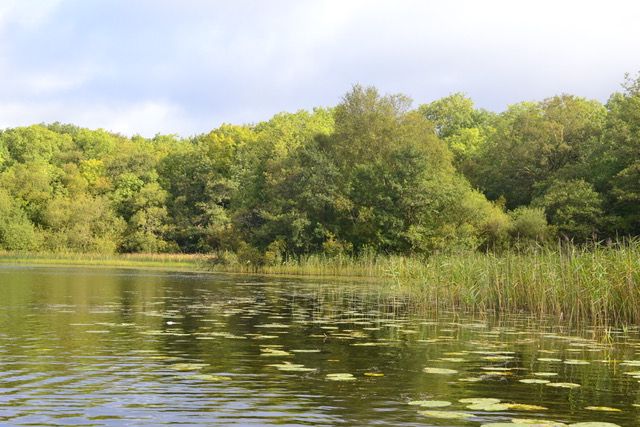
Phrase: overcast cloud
(186,66)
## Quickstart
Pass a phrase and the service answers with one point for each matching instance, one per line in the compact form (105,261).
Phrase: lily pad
(441,371)
(534,381)
(341,377)
(274,352)
(533,422)
(603,409)
(576,362)
(594,424)
(447,415)
(545,374)
(563,385)
(430,403)
(526,407)
(489,407)
(291,367)
(479,400)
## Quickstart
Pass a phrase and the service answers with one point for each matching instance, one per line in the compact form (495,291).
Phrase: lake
(118,347)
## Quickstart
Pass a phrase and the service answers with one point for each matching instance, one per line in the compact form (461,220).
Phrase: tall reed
(596,284)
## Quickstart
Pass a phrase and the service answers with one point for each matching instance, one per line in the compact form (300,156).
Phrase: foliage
(368,177)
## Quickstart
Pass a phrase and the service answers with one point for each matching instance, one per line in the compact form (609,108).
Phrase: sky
(186,66)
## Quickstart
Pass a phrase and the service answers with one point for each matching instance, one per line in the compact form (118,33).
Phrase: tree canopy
(371,174)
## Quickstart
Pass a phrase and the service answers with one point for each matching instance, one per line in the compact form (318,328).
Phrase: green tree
(574,208)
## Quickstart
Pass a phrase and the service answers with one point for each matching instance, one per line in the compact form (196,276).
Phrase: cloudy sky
(186,66)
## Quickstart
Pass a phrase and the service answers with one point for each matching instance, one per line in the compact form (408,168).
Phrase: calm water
(97,347)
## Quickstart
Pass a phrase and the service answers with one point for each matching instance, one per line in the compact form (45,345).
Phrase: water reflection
(98,347)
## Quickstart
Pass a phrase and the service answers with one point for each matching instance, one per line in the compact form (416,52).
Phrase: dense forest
(371,174)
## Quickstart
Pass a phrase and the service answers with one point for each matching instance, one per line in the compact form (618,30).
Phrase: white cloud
(187,67)
(27,14)
(145,118)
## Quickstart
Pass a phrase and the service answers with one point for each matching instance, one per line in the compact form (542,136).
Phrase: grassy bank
(598,284)
(167,261)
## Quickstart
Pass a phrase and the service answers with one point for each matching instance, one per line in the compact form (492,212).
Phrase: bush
(529,224)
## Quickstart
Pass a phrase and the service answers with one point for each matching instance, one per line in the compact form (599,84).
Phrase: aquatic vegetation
(594,424)
(563,385)
(526,407)
(498,378)
(537,422)
(341,377)
(533,381)
(583,284)
(602,408)
(441,371)
(575,362)
(489,407)
(448,415)
(273,352)
(292,367)
(479,400)
(429,403)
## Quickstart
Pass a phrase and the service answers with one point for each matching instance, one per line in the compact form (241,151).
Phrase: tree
(574,208)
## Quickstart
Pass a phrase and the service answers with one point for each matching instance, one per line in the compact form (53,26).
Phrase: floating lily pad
(341,377)
(479,400)
(545,374)
(526,407)
(430,403)
(498,358)
(503,424)
(563,385)
(441,371)
(369,344)
(533,422)
(448,415)
(498,373)
(470,379)
(603,409)
(273,326)
(526,423)
(489,407)
(594,424)
(453,359)
(576,362)
(533,381)
(291,367)
(274,352)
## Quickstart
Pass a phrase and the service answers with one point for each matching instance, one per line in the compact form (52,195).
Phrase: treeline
(369,175)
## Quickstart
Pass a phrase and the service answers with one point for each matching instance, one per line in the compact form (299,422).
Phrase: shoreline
(596,285)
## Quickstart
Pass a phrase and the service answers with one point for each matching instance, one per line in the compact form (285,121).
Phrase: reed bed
(146,260)
(593,284)
(586,284)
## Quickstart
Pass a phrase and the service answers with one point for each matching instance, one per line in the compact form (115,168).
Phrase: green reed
(146,260)
(595,283)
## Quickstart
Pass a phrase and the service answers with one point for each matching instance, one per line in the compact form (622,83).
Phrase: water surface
(108,347)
